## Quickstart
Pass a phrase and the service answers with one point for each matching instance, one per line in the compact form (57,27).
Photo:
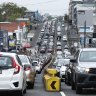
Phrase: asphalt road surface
(40,91)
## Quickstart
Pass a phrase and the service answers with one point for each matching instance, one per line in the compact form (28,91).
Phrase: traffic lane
(39,89)
(36,34)
(69,92)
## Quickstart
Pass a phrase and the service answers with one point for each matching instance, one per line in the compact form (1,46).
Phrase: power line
(54,10)
(50,1)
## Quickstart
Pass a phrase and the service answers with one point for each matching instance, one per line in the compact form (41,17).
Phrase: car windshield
(88,56)
(5,62)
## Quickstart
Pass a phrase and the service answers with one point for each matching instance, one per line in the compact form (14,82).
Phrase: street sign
(53,85)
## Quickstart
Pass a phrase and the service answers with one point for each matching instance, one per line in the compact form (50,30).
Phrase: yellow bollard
(51,81)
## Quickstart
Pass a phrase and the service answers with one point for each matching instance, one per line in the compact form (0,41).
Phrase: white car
(67,55)
(58,43)
(64,38)
(29,70)
(37,66)
(59,29)
(42,30)
(59,63)
(63,68)
(62,72)
(63,25)
(12,74)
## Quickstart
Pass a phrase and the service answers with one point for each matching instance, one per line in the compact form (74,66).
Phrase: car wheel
(65,80)
(24,91)
(20,93)
(39,72)
(31,85)
(62,80)
(78,90)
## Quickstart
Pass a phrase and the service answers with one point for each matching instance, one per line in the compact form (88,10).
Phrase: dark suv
(83,70)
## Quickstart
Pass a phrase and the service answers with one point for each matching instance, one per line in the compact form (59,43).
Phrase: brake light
(17,67)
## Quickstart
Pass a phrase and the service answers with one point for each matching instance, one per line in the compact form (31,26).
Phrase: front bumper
(86,80)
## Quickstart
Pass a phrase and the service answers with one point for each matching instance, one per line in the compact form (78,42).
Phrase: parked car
(83,74)
(29,70)
(12,74)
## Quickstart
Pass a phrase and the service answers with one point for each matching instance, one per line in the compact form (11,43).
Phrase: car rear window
(5,62)
(23,59)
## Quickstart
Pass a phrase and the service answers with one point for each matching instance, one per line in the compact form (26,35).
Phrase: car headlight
(82,70)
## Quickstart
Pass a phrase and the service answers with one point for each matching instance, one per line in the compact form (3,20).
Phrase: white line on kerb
(62,94)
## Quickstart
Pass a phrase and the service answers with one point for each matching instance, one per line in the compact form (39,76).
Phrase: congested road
(65,89)
(39,89)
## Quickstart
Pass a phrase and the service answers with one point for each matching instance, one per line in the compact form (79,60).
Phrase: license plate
(0,71)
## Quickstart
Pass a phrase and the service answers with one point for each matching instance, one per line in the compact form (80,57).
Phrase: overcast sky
(53,7)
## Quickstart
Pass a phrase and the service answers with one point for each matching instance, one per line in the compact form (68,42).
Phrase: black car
(83,69)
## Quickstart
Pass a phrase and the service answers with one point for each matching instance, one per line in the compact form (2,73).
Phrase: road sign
(51,81)
(53,85)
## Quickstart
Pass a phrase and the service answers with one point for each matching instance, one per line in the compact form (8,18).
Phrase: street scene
(48,52)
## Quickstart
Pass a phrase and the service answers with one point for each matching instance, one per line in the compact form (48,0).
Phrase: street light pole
(85,34)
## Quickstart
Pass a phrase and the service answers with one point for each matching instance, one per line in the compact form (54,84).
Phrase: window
(5,62)
(18,59)
(88,56)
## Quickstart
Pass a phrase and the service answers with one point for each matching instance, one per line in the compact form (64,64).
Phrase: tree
(49,17)
(10,11)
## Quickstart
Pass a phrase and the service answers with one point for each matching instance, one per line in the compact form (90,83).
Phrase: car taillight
(16,66)
(26,68)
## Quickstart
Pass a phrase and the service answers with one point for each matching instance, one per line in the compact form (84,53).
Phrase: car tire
(24,91)
(20,93)
(31,85)
(78,90)
(62,80)
(65,80)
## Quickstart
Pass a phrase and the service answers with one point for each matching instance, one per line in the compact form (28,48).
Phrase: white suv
(12,74)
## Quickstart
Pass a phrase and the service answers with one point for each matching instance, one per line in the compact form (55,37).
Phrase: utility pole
(85,34)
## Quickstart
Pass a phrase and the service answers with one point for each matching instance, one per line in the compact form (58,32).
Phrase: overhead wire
(50,1)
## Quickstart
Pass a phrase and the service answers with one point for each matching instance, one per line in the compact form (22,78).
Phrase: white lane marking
(62,94)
